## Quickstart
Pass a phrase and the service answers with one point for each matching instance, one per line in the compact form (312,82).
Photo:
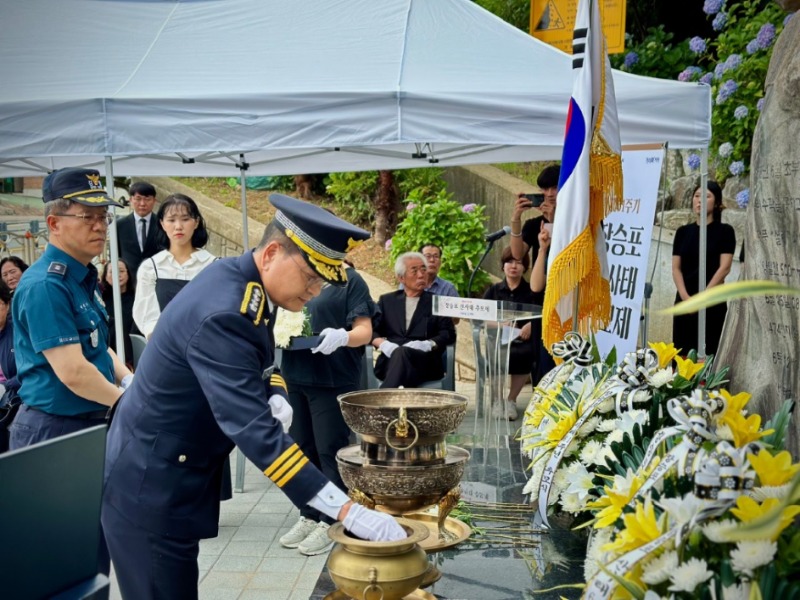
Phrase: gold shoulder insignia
(351,243)
(253,302)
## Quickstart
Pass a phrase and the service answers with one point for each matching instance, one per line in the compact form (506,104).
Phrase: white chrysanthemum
(660,569)
(628,420)
(588,427)
(560,482)
(594,555)
(580,481)
(607,405)
(740,591)
(682,510)
(749,556)
(607,425)
(615,436)
(571,503)
(287,325)
(590,452)
(661,378)
(769,491)
(564,372)
(532,487)
(724,432)
(606,456)
(717,531)
(642,396)
(689,575)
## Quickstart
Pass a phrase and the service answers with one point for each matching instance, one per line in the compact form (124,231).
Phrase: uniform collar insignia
(58,268)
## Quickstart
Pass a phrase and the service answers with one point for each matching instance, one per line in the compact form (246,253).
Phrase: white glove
(387,348)
(281,410)
(126,382)
(332,339)
(422,345)
(373,525)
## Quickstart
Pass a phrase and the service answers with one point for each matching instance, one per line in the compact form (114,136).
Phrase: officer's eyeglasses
(312,281)
(91,220)
(430,257)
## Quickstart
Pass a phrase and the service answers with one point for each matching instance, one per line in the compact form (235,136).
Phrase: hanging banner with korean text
(628,234)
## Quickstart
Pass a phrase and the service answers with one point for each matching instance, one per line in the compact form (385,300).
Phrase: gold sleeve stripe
(286,478)
(286,466)
(281,459)
(279,381)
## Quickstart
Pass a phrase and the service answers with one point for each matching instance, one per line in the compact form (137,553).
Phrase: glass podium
(496,472)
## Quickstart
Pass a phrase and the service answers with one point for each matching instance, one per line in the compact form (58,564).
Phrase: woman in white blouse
(183,230)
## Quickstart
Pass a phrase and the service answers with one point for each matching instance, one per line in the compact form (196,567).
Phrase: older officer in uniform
(206,383)
(68,375)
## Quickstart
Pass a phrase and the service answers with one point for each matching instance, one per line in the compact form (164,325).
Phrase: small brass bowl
(389,570)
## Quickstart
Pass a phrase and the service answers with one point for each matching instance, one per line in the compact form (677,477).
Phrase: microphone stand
(489,247)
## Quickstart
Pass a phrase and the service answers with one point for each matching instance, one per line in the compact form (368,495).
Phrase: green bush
(657,55)
(458,230)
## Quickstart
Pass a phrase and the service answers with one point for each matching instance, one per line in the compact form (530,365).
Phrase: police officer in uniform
(205,384)
(68,375)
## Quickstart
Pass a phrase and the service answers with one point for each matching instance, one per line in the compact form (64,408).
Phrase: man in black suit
(136,232)
(411,339)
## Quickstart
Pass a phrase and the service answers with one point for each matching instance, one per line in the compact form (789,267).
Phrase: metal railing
(26,239)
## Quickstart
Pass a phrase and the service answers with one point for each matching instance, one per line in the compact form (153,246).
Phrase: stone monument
(761,337)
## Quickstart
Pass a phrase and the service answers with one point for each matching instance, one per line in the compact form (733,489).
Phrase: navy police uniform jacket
(199,390)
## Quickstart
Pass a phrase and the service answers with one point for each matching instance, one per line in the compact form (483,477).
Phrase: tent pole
(113,252)
(238,485)
(701,317)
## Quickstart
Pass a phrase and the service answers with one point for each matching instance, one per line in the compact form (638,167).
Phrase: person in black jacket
(8,366)
(135,243)
(127,290)
(411,339)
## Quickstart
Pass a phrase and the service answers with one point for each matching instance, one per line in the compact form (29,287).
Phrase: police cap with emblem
(79,185)
(323,238)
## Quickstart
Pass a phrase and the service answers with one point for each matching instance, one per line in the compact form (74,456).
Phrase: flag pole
(576,301)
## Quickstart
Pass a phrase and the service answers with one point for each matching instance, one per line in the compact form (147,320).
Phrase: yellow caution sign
(552,21)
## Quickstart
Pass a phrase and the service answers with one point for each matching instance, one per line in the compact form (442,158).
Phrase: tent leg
(113,251)
(701,317)
(240,460)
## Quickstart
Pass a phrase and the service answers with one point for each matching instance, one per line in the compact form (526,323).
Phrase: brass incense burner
(403,463)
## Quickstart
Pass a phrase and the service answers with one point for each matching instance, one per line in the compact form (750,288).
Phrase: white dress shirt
(145,305)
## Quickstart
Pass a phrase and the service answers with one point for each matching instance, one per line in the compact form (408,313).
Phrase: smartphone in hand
(536,199)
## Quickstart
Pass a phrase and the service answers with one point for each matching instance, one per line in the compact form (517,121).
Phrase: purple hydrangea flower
(697,45)
(693,160)
(726,90)
(688,73)
(388,245)
(732,62)
(725,150)
(706,78)
(752,46)
(719,21)
(719,70)
(411,206)
(740,112)
(743,198)
(736,168)
(631,58)
(765,36)
(468,208)
(787,19)
(760,104)
(712,7)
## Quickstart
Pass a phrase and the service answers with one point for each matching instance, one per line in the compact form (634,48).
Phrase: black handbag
(9,405)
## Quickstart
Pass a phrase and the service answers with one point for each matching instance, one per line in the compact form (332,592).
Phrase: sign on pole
(552,21)
(628,232)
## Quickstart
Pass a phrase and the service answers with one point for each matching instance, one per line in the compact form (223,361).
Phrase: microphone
(493,237)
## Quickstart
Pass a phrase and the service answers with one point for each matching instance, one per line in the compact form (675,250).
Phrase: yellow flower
(641,527)
(616,498)
(773,470)
(745,430)
(735,403)
(687,368)
(566,420)
(748,509)
(541,409)
(666,352)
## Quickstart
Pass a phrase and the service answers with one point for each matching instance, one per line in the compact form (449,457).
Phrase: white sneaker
(498,410)
(317,541)
(298,532)
(512,410)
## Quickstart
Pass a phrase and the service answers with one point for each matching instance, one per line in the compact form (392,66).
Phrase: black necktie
(144,232)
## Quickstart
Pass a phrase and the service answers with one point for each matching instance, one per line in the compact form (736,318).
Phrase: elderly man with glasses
(69,377)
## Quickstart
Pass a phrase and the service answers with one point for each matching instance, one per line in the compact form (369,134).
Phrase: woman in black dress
(127,290)
(721,243)
(514,288)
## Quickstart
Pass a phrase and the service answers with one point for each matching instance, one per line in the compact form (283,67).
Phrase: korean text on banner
(589,188)
(628,232)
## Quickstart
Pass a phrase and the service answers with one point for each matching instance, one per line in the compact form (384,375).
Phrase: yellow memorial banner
(552,21)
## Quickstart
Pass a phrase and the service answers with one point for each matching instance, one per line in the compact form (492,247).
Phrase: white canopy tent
(170,87)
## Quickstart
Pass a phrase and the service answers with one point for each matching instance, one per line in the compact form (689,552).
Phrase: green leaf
(727,292)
